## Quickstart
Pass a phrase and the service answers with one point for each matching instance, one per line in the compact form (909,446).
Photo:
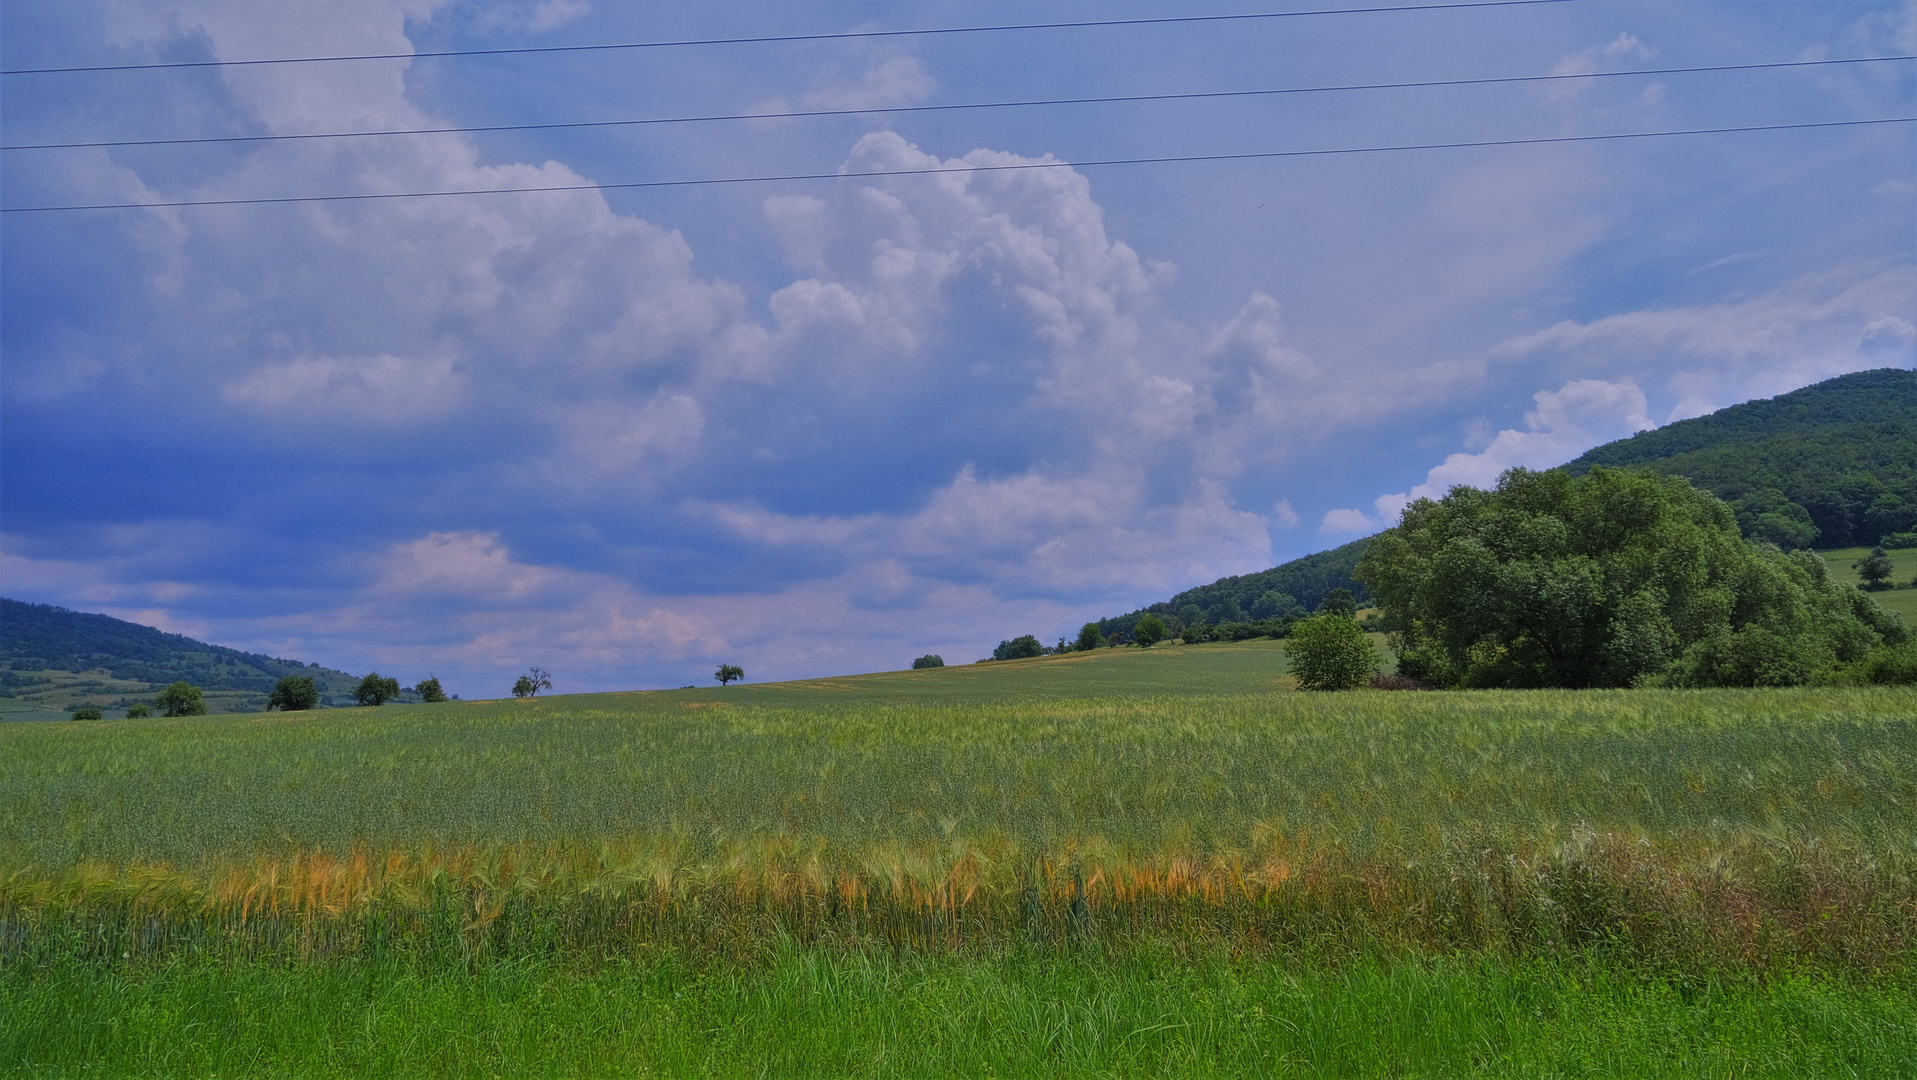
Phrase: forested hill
(1832,465)
(40,637)
(1291,588)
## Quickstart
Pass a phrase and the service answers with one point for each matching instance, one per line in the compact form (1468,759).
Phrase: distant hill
(1299,585)
(47,654)
(1833,465)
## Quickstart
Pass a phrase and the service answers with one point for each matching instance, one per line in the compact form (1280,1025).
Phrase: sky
(825,426)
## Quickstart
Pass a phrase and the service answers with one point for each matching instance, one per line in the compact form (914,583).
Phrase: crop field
(1161,847)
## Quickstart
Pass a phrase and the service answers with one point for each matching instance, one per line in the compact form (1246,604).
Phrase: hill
(52,659)
(1833,465)
(1287,589)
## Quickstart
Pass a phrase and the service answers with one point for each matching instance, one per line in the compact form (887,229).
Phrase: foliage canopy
(1022,647)
(1607,579)
(429,690)
(728,673)
(1329,652)
(181,699)
(293,694)
(376,689)
(1149,631)
(929,660)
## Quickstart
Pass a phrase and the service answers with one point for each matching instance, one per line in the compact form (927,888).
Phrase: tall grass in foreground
(1753,831)
(808,1013)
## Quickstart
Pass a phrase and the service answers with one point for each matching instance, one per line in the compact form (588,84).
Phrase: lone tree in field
(1329,652)
(429,689)
(1088,638)
(181,699)
(293,693)
(532,682)
(728,672)
(929,660)
(376,689)
(1874,568)
(1149,631)
(1022,647)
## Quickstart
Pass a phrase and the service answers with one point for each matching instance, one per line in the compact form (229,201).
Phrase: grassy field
(1106,864)
(1903,561)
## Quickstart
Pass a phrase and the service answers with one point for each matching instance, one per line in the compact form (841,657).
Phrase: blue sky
(827,426)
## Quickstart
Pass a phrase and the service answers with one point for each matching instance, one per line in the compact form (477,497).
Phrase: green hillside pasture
(1752,829)
(1244,667)
(1903,561)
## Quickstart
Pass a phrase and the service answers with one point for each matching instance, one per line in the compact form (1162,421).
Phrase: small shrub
(1898,540)
(929,660)
(138,711)
(1329,652)
(85,713)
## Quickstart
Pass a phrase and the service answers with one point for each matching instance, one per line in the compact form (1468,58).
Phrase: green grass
(1125,863)
(810,1013)
(1903,563)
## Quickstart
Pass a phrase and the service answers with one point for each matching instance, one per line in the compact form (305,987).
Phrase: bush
(1329,652)
(1022,647)
(1899,540)
(181,699)
(1149,631)
(138,711)
(294,693)
(85,713)
(1891,666)
(929,660)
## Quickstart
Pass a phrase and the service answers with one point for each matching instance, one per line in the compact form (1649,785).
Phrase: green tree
(1088,638)
(138,711)
(1612,578)
(86,712)
(376,689)
(1329,652)
(728,673)
(1022,647)
(1874,568)
(293,693)
(929,660)
(429,690)
(1149,631)
(532,682)
(1339,602)
(181,699)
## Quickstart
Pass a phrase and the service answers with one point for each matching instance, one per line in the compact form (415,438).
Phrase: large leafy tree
(1612,578)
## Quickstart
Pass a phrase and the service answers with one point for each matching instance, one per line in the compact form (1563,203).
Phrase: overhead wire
(946,170)
(781,38)
(961,106)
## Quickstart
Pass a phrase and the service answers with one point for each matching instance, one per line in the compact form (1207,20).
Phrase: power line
(1255,156)
(1123,98)
(772,39)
